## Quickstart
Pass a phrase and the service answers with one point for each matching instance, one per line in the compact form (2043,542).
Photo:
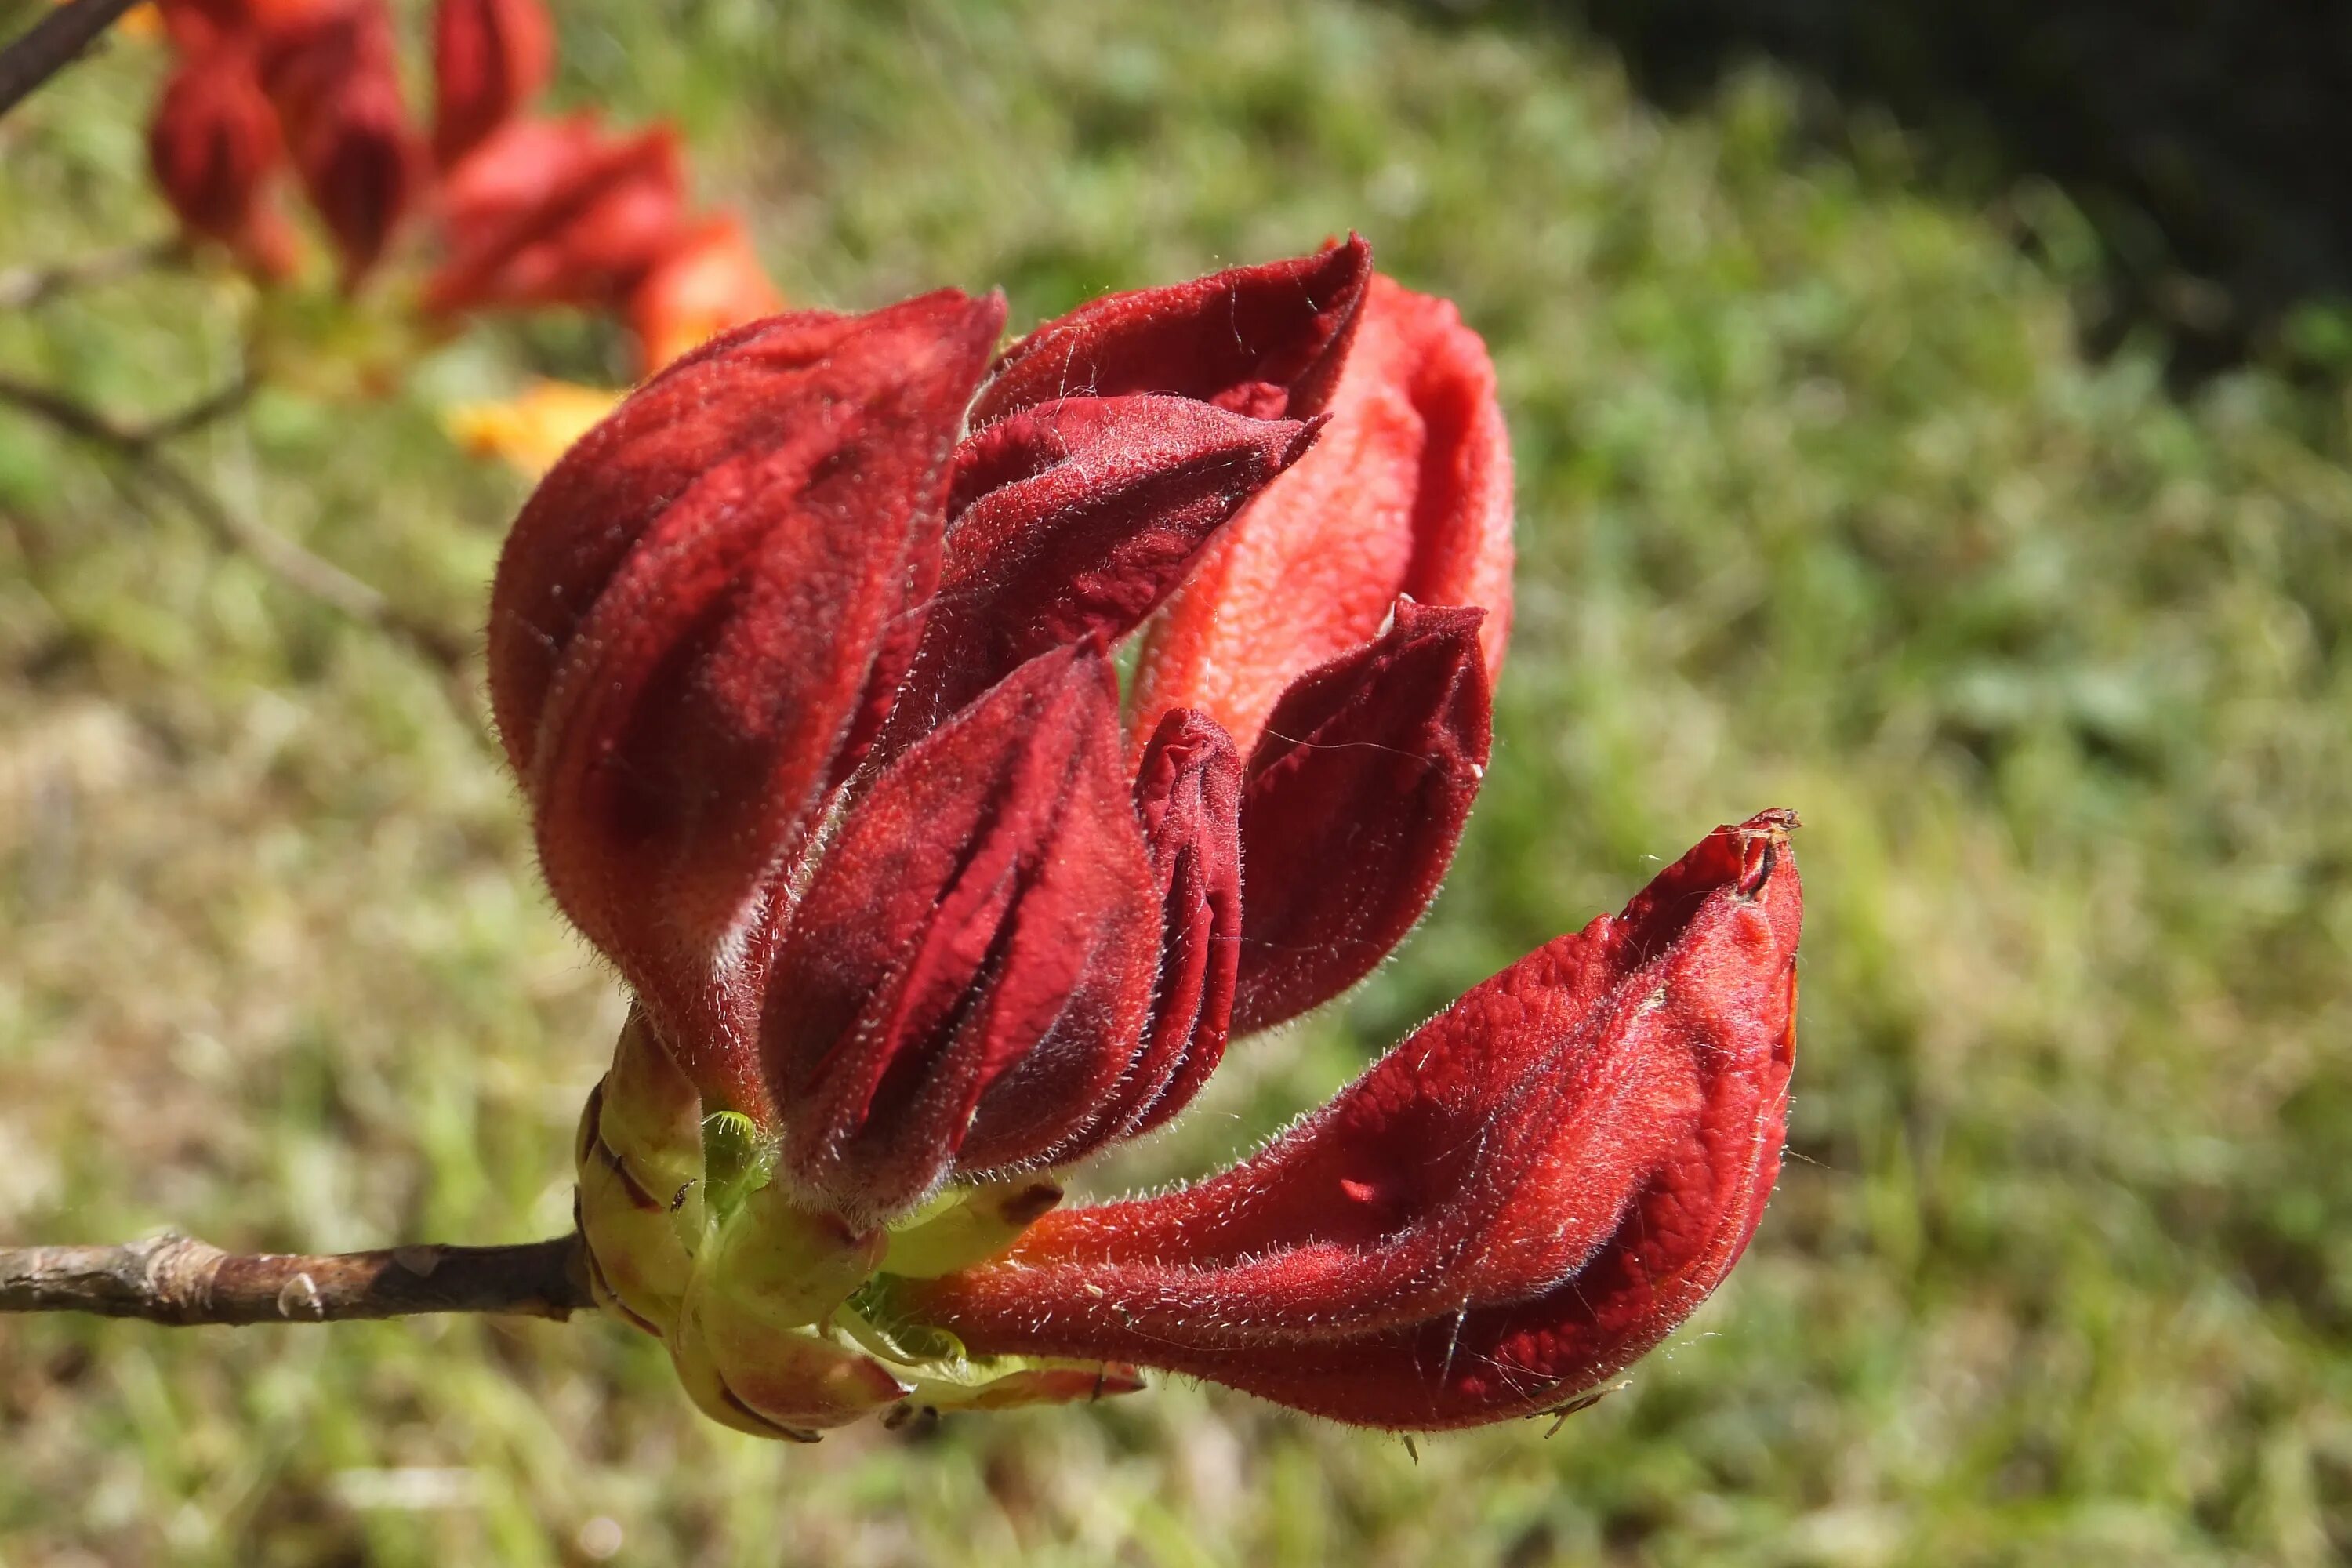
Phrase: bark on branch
(52,43)
(178,1280)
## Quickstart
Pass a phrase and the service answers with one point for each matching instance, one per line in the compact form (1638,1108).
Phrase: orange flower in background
(531,429)
(710,281)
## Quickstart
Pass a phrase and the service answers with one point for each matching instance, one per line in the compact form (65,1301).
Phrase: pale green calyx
(768,1307)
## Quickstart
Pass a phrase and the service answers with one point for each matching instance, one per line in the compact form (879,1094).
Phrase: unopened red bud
(1188,795)
(1517,1202)
(332,70)
(213,147)
(1356,796)
(696,619)
(967,977)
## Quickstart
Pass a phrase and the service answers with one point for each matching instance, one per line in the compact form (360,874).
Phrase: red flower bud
(1266,339)
(1358,791)
(489,58)
(332,70)
(1188,792)
(1074,519)
(557,212)
(1529,1192)
(968,976)
(214,148)
(814,704)
(697,623)
(1408,492)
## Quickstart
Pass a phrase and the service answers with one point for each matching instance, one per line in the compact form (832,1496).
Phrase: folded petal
(1520,1200)
(692,622)
(1267,340)
(1408,492)
(1188,795)
(1356,796)
(1076,518)
(966,979)
(489,58)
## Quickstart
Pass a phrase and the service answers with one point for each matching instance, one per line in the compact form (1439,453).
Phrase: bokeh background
(1879,456)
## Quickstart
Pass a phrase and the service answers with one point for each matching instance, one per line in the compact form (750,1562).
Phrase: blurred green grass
(1818,506)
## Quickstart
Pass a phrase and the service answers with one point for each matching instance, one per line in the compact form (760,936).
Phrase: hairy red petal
(213,147)
(966,979)
(333,72)
(1188,795)
(1267,340)
(1520,1200)
(692,619)
(489,58)
(1357,794)
(1408,492)
(1074,520)
(557,212)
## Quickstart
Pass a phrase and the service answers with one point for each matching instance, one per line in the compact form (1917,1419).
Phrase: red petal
(489,58)
(1408,492)
(1358,791)
(966,979)
(1074,520)
(694,615)
(1267,340)
(1517,1202)
(1188,793)
(557,212)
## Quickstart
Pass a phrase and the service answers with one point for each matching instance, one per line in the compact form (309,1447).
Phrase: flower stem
(178,1281)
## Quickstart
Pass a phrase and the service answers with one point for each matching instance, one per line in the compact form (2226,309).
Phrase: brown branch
(23,288)
(178,1281)
(52,43)
(142,446)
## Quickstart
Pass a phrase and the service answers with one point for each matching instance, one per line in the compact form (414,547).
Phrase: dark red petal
(966,979)
(1188,795)
(1267,340)
(694,615)
(1408,492)
(489,58)
(1357,794)
(1521,1199)
(1074,520)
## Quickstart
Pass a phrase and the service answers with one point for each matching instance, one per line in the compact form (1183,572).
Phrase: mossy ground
(1820,507)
